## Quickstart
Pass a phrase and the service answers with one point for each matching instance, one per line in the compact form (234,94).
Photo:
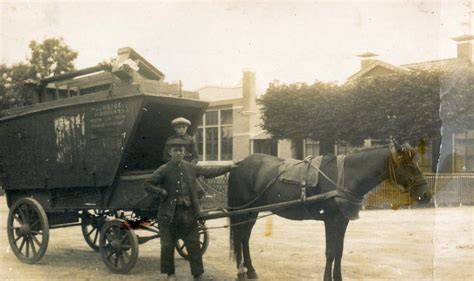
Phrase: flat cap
(176,142)
(180,121)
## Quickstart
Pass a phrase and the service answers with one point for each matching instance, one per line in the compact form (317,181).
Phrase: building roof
(445,64)
(465,37)
(374,64)
(367,55)
(215,93)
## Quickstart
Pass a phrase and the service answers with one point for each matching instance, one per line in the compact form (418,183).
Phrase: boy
(180,126)
(179,210)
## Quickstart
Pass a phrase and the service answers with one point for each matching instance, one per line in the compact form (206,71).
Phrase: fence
(447,190)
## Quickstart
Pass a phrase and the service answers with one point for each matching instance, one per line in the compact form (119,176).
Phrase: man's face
(181,129)
(177,153)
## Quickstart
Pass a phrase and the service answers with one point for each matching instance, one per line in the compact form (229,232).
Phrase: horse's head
(404,172)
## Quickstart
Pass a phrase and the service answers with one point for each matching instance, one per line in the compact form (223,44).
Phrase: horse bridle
(394,163)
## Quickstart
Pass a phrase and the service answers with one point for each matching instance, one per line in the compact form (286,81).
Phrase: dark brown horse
(253,184)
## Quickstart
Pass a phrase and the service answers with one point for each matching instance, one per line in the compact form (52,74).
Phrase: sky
(212,42)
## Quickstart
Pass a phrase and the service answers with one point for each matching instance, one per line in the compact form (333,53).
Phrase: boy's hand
(164,194)
(235,165)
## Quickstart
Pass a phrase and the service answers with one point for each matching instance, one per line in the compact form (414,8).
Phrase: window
(266,146)
(343,148)
(464,152)
(214,136)
(311,147)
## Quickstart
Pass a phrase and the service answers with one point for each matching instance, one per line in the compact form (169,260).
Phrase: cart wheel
(118,246)
(28,230)
(91,223)
(203,241)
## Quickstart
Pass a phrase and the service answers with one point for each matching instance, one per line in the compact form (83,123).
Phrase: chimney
(465,48)
(249,91)
(366,59)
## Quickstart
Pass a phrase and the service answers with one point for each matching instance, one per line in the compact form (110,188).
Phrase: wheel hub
(24,229)
(116,244)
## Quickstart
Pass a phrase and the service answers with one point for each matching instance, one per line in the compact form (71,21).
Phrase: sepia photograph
(237,140)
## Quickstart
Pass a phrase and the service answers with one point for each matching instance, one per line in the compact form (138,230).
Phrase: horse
(253,183)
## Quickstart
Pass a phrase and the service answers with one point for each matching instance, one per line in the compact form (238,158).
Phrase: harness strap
(340,170)
(308,160)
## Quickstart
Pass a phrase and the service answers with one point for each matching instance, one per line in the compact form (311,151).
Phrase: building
(230,129)
(457,150)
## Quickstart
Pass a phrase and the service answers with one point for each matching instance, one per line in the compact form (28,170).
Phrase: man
(180,126)
(179,210)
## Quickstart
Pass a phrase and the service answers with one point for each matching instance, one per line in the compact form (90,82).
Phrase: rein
(394,163)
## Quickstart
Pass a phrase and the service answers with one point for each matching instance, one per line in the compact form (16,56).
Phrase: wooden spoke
(22,243)
(18,219)
(36,240)
(110,255)
(108,237)
(126,255)
(35,223)
(90,232)
(116,260)
(16,239)
(33,248)
(122,260)
(96,236)
(36,232)
(126,246)
(22,216)
(27,247)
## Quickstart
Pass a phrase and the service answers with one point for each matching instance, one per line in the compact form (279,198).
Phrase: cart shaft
(272,207)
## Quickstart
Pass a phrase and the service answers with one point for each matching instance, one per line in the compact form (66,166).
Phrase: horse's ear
(396,145)
(409,150)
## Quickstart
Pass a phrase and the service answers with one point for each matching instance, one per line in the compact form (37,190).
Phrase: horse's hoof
(242,276)
(252,275)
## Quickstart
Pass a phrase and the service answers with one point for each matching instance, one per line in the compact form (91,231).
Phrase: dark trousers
(184,227)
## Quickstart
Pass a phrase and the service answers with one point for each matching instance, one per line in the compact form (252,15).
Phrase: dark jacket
(170,176)
(192,154)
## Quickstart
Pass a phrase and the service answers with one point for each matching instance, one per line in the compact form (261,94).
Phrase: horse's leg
(335,229)
(342,226)
(251,273)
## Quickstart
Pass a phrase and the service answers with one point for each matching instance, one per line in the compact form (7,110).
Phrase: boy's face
(180,129)
(177,153)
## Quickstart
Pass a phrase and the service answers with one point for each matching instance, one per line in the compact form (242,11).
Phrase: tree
(299,111)
(52,57)
(403,106)
(457,100)
(14,89)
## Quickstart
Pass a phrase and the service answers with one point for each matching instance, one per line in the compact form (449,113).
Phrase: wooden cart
(80,154)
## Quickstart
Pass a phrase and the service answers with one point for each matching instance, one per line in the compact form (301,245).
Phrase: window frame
(203,126)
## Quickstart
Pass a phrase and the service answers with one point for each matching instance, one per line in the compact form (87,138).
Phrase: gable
(378,71)
(377,68)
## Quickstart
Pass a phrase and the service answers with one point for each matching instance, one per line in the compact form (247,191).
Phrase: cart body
(82,152)
(90,151)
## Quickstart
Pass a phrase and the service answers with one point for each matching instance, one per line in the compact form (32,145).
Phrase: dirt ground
(417,244)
